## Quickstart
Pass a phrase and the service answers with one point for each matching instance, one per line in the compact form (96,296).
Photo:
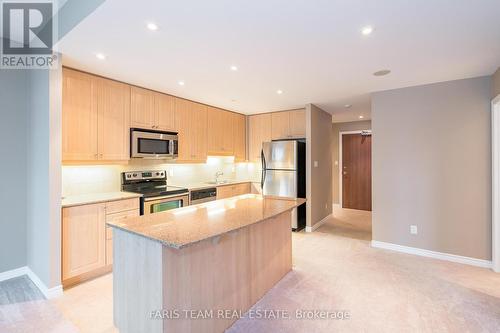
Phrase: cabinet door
(220,132)
(83,239)
(298,123)
(280,125)
(79,117)
(191,122)
(239,137)
(259,130)
(113,120)
(164,112)
(200,133)
(224,192)
(142,111)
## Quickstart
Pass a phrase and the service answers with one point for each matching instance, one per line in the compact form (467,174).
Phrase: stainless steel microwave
(153,144)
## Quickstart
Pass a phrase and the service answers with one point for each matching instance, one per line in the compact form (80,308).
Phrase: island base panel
(228,273)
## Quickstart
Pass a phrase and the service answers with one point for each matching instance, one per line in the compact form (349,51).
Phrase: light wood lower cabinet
(86,241)
(83,240)
(228,191)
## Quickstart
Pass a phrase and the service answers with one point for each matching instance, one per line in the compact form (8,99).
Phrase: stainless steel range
(157,196)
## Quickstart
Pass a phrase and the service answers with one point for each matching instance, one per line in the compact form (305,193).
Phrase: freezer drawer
(279,155)
(282,183)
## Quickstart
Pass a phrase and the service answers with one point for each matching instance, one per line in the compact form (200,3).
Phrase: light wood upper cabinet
(220,138)
(259,130)
(96,119)
(289,124)
(164,112)
(113,120)
(142,110)
(280,122)
(240,137)
(298,123)
(151,110)
(79,117)
(83,240)
(191,123)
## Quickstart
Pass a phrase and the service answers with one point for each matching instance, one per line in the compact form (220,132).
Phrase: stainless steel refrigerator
(284,174)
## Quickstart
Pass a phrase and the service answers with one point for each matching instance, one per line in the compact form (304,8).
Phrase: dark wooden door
(357,171)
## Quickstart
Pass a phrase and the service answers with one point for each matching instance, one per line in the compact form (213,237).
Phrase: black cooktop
(149,184)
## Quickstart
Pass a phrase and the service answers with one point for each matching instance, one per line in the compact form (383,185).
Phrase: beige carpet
(335,269)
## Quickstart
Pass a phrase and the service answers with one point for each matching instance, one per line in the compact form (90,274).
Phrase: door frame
(495,203)
(341,193)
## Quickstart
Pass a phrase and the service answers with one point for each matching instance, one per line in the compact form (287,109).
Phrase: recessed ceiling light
(234,68)
(361,117)
(181,83)
(367,30)
(100,56)
(382,72)
(152,26)
(347,106)
(279,92)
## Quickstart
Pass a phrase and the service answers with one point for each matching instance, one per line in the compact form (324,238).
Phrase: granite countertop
(185,226)
(85,199)
(201,185)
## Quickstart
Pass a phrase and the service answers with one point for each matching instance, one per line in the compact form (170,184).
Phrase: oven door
(153,145)
(161,204)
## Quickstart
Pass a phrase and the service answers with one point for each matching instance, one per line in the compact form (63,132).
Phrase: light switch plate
(315,164)
(413,229)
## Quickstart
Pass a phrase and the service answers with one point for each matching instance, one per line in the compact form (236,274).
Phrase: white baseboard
(319,224)
(13,273)
(433,254)
(47,292)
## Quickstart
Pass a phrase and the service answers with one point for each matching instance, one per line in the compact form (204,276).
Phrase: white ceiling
(312,50)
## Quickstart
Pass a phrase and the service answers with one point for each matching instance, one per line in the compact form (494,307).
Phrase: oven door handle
(166,197)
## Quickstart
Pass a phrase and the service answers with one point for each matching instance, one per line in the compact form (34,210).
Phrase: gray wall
(336,129)
(432,167)
(319,179)
(495,87)
(13,146)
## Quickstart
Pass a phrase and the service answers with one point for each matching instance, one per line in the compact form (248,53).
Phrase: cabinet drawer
(228,191)
(116,217)
(122,205)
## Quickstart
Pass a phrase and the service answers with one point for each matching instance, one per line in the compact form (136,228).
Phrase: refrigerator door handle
(263,177)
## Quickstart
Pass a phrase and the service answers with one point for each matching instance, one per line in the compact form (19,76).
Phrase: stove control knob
(135,175)
(157,173)
(129,175)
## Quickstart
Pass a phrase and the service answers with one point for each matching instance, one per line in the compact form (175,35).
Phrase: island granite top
(188,225)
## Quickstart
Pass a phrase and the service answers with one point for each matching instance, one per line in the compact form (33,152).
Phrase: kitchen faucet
(217,175)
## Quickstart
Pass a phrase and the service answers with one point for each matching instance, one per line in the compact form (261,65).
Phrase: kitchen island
(199,268)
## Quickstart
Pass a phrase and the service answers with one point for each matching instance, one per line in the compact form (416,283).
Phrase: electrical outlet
(315,164)
(413,229)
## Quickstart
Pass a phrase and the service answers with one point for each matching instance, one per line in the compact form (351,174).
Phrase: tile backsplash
(106,178)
